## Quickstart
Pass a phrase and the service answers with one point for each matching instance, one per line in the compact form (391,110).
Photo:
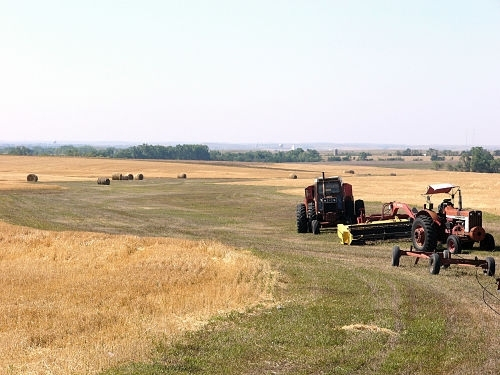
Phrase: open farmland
(99,276)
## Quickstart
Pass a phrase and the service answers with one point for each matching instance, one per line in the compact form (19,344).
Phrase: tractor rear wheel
(453,244)
(349,214)
(301,218)
(434,263)
(488,243)
(315,226)
(359,207)
(311,211)
(424,234)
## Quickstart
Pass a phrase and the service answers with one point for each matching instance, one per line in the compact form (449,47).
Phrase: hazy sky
(295,71)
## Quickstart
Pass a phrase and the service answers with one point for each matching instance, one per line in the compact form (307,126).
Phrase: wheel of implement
(434,263)
(446,255)
(490,262)
(396,255)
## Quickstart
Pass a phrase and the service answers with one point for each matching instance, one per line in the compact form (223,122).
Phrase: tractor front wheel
(424,234)
(453,244)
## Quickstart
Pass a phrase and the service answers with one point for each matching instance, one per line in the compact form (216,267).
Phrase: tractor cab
(329,194)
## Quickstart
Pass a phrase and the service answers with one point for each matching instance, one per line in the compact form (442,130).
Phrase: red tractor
(451,225)
(327,203)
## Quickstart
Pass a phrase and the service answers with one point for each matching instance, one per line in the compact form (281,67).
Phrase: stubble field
(98,276)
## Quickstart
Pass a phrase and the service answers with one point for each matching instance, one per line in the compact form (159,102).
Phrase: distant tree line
(476,159)
(179,152)
(296,155)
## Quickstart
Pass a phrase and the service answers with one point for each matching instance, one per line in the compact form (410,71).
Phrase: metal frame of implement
(444,259)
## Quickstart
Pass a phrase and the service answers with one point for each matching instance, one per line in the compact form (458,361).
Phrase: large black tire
(453,244)
(359,207)
(434,263)
(301,218)
(491,266)
(488,243)
(311,211)
(446,256)
(467,245)
(424,234)
(396,255)
(349,214)
(315,226)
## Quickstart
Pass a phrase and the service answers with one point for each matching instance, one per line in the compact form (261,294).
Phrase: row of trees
(477,159)
(179,152)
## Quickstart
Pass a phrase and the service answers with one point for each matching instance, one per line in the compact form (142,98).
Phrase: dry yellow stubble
(74,302)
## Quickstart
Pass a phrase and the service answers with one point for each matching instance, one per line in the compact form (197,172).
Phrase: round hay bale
(32,177)
(124,177)
(139,176)
(103,181)
(116,176)
(181,175)
(130,176)
(293,176)
(393,174)
(349,171)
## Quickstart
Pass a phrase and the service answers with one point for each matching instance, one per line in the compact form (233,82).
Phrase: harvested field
(369,183)
(76,302)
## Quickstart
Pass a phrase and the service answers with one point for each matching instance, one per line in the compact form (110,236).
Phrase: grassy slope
(434,324)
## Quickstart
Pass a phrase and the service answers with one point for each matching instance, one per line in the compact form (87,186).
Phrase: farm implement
(443,259)
(395,221)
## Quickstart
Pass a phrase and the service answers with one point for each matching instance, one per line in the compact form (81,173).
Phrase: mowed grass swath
(319,306)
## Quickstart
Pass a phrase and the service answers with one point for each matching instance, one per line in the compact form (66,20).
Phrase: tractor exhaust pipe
(323,175)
